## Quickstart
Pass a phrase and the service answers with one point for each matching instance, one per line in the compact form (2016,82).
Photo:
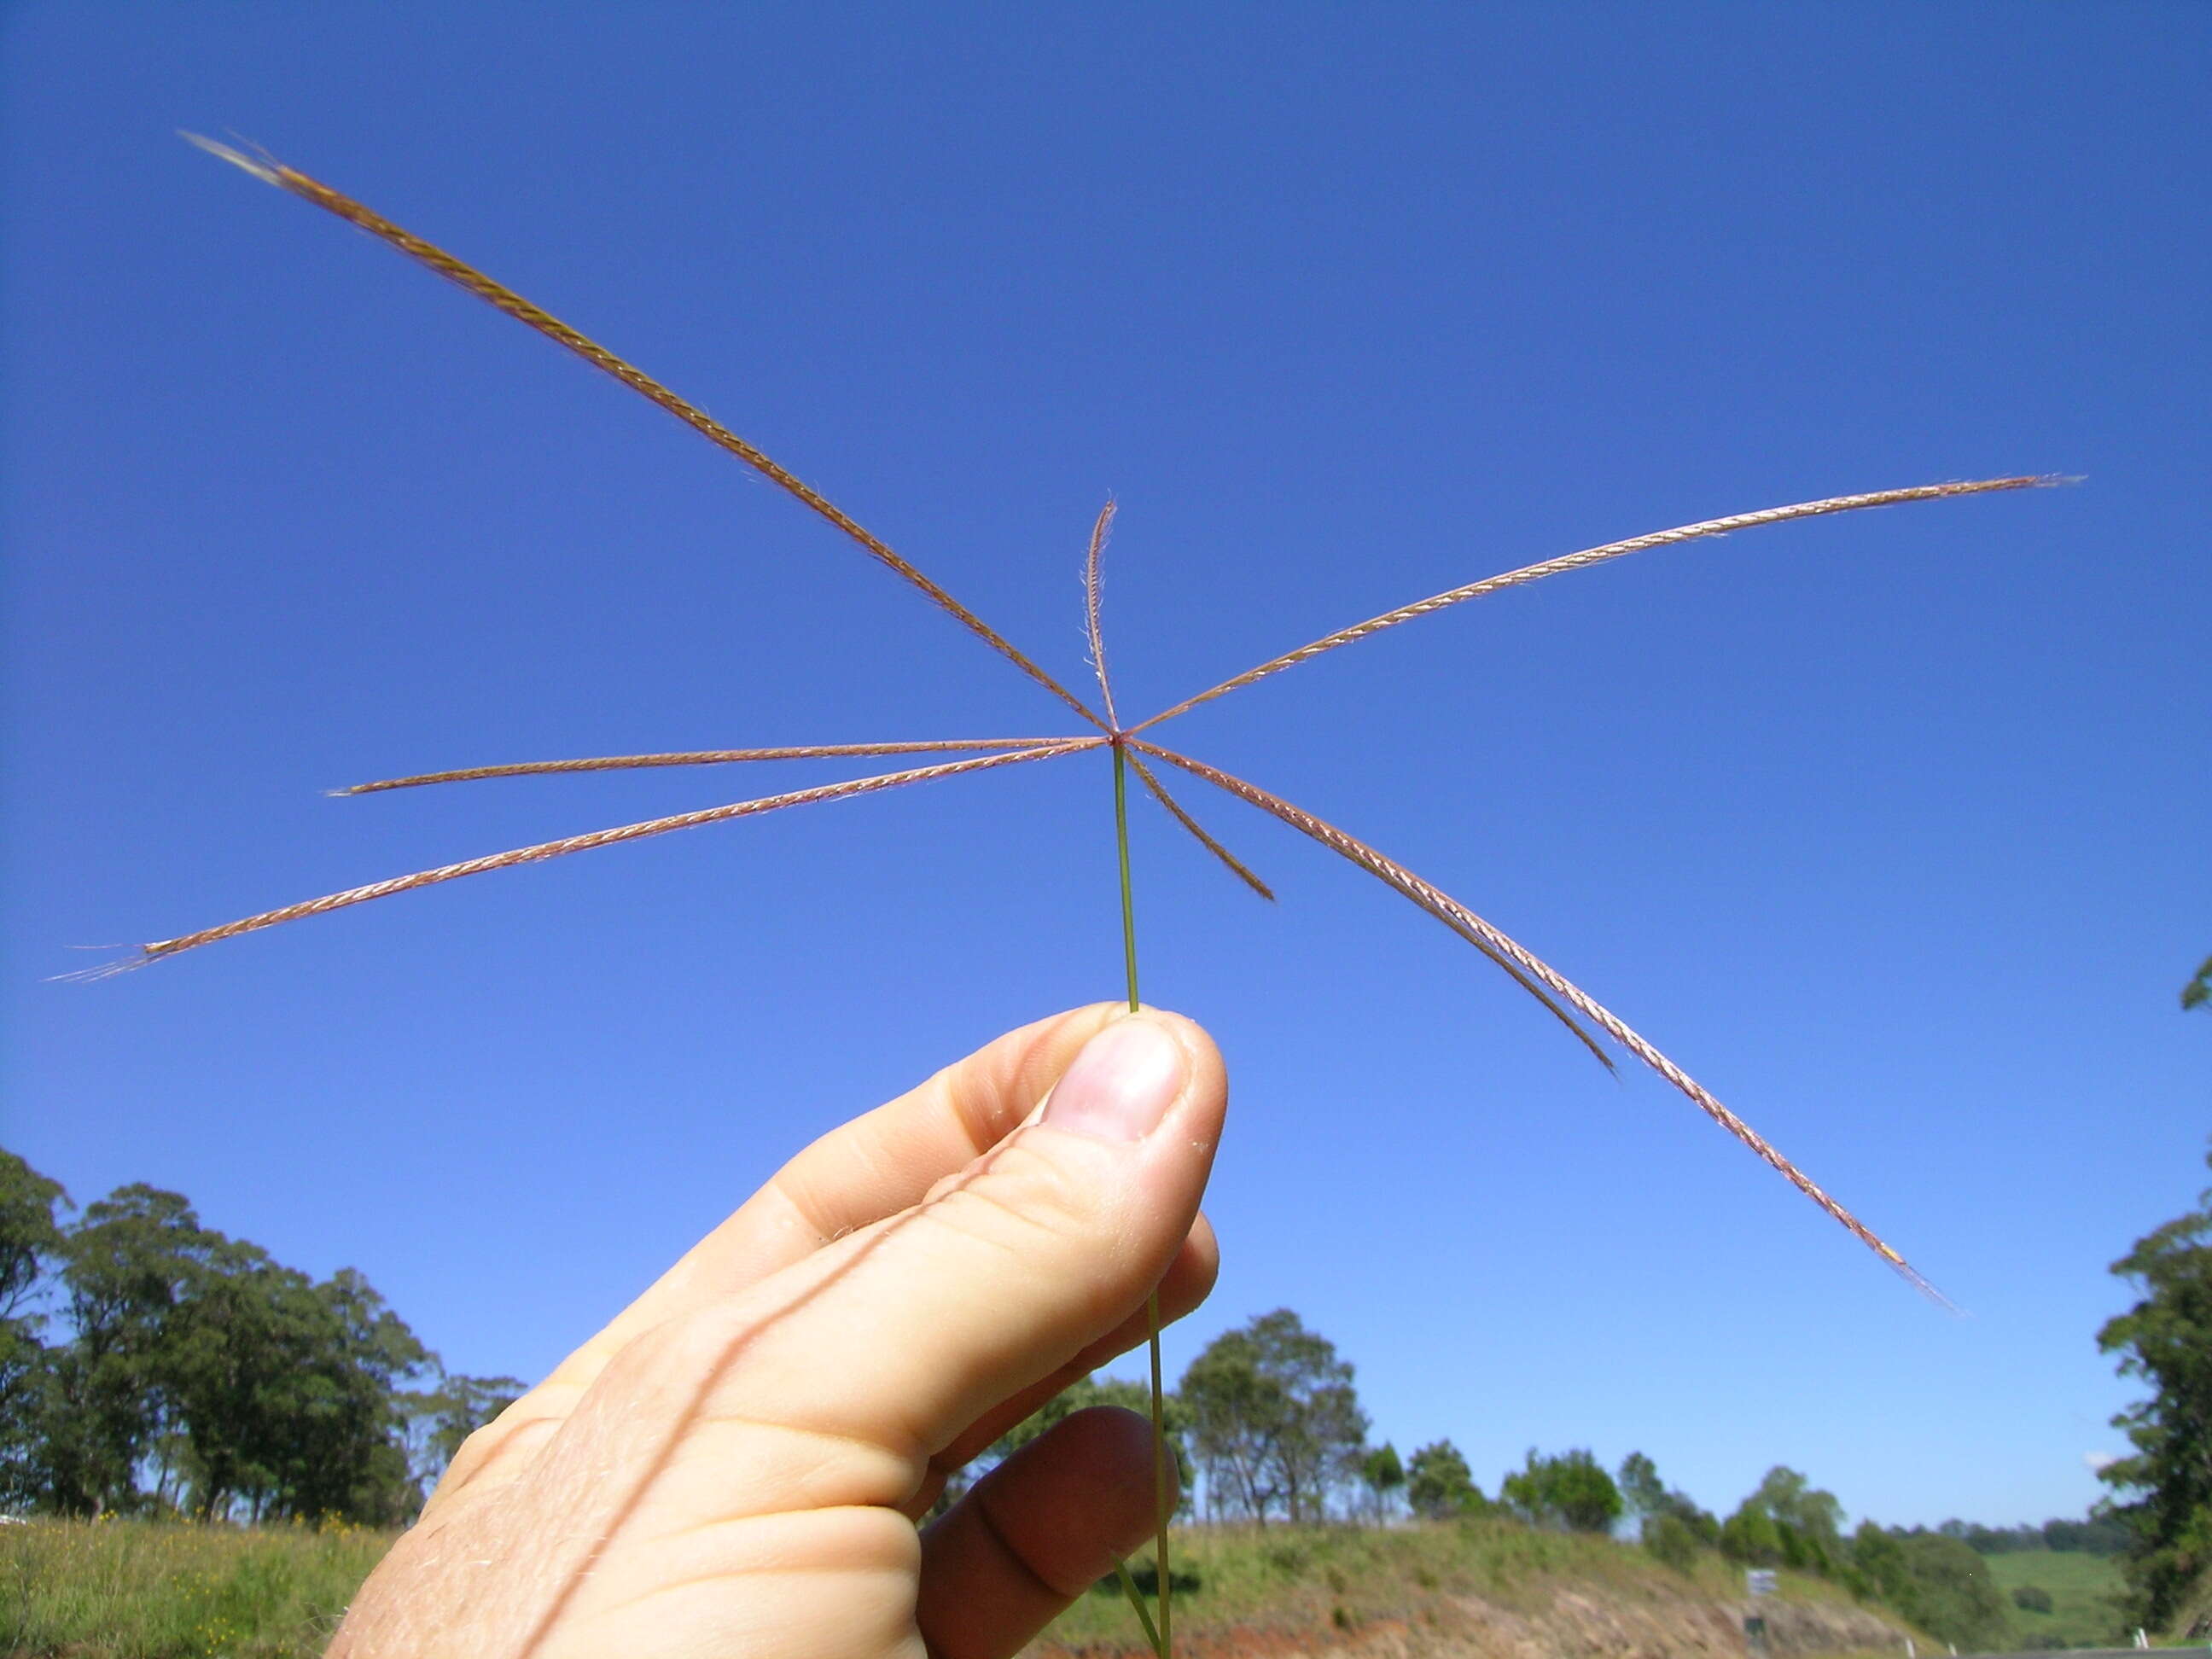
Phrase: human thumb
(903,1333)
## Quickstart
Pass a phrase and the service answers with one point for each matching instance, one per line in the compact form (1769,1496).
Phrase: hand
(735,1466)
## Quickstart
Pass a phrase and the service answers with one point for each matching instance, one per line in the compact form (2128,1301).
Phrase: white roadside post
(1759,1584)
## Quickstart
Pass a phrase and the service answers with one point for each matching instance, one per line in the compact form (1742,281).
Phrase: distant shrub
(1937,1583)
(1569,1491)
(2031,1598)
(1803,1550)
(1439,1484)
(1670,1541)
(1148,1578)
(1751,1538)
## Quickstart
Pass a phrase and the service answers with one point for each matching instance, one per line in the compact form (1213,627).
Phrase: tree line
(1268,1419)
(1267,1429)
(2100,1535)
(151,1364)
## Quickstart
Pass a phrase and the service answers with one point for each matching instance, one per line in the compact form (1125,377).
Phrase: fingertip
(1206,1072)
(1115,1444)
(1003,1084)
(1009,1082)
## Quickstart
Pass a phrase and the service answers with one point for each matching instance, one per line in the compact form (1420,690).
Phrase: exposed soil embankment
(1575,1627)
(1482,1595)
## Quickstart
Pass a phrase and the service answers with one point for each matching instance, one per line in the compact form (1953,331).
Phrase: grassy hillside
(2084,1591)
(1460,1589)
(135,1589)
(1470,1590)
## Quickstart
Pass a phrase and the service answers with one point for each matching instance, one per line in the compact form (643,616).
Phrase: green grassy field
(134,1590)
(2084,1591)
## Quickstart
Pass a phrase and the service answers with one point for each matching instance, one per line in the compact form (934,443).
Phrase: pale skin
(736,1464)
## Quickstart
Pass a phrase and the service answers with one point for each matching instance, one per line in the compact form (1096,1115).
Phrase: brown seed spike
(700,758)
(465,275)
(1501,948)
(554,849)
(1091,598)
(1151,780)
(1590,556)
(1395,875)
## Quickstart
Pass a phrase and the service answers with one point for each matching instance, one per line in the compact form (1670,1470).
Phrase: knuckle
(1021,1201)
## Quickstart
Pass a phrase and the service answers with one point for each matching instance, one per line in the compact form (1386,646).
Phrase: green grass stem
(1121,847)
(1163,1637)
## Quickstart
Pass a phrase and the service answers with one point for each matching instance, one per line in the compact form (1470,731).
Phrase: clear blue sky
(1891,828)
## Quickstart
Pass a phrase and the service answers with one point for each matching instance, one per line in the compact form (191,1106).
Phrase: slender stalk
(1160,1481)
(1163,1637)
(1137,1600)
(1121,847)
